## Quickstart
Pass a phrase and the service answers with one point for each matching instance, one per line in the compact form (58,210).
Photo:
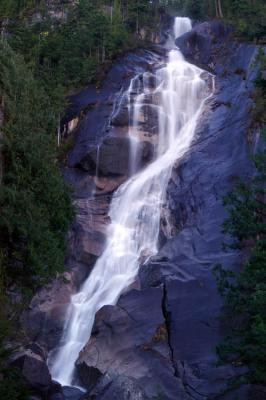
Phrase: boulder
(55,392)
(154,273)
(112,387)
(34,369)
(121,115)
(89,245)
(86,239)
(160,341)
(132,349)
(204,42)
(112,157)
(210,45)
(43,321)
(72,393)
(57,396)
(257,392)
(178,297)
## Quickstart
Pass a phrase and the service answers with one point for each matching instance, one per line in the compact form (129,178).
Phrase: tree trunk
(103,53)
(58,132)
(218,9)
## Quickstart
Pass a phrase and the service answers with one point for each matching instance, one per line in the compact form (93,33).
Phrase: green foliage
(194,8)
(68,53)
(259,114)
(245,292)
(247,16)
(35,204)
(12,386)
(41,59)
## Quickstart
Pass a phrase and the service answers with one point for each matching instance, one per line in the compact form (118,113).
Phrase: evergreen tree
(194,8)
(35,205)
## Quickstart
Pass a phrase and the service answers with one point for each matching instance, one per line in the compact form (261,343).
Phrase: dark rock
(210,45)
(43,321)
(82,184)
(198,44)
(90,244)
(160,340)
(219,156)
(112,157)
(87,237)
(130,347)
(94,126)
(193,309)
(189,307)
(34,370)
(72,393)
(121,116)
(117,387)
(55,392)
(150,80)
(154,273)
(257,392)
(56,396)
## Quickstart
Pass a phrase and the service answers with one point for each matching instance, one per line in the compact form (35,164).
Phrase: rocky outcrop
(31,360)
(43,321)
(207,43)
(129,342)
(93,177)
(159,340)
(34,369)
(112,157)
(101,105)
(178,301)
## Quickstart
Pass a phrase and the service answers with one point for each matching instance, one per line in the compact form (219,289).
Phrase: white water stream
(136,205)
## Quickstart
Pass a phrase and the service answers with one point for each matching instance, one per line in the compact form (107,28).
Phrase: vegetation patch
(245,292)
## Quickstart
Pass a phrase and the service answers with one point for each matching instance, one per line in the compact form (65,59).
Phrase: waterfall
(136,206)
(181,26)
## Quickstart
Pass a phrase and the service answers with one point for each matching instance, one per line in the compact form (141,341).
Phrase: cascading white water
(181,26)
(136,205)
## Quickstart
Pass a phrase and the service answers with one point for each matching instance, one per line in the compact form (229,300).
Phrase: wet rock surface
(112,157)
(186,297)
(159,341)
(43,321)
(130,341)
(31,361)
(205,42)
(104,106)
(93,183)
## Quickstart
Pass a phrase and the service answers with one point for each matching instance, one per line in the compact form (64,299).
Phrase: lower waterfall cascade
(135,209)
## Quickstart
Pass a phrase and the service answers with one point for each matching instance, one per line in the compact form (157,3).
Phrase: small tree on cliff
(245,292)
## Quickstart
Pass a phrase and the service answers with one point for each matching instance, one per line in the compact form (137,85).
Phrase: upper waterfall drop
(181,26)
(135,209)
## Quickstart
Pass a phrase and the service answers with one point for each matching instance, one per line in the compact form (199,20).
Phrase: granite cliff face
(159,340)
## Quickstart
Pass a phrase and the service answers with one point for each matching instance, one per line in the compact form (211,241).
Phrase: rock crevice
(160,339)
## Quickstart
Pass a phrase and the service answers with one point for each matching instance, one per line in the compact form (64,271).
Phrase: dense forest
(47,50)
